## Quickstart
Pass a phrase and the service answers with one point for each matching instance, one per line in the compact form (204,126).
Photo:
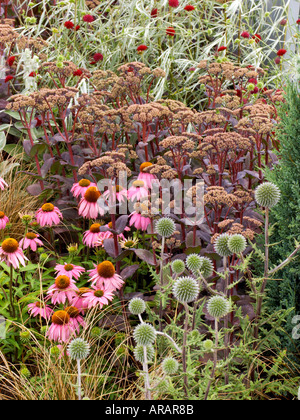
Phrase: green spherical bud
(144,334)
(193,262)
(260,85)
(218,306)
(237,244)
(208,345)
(186,289)
(170,366)
(139,353)
(55,351)
(44,329)
(95,332)
(207,267)
(59,65)
(165,227)
(78,349)
(178,267)
(137,306)
(209,32)
(25,372)
(267,14)
(267,195)
(250,87)
(221,245)
(25,337)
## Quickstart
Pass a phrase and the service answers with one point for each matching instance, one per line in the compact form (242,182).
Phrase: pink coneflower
(189,8)
(63,289)
(10,61)
(104,275)
(281,52)
(88,206)
(48,215)
(257,38)
(108,234)
(173,3)
(115,193)
(139,222)
(142,48)
(12,254)
(80,188)
(91,236)
(137,190)
(98,297)
(70,270)
(3,220)
(222,48)
(145,176)
(68,24)
(154,13)
(88,18)
(8,78)
(78,301)
(245,34)
(40,309)
(31,241)
(75,319)
(3,184)
(61,329)
(170,31)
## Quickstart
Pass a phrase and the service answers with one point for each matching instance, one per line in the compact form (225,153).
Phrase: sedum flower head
(221,245)
(178,267)
(165,227)
(186,289)
(170,366)
(267,195)
(218,306)
(137,306)
(139,353)
(237,243)
(144,334)
(78,349)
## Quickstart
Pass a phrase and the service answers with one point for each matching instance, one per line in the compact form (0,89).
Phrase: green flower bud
(170,366)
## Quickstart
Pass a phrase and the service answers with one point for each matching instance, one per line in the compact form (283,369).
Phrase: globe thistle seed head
(221,245)
(218,306)
(193,262)
(144,334)
(139,353)
(207,267)
(237,243)
(186,289)
(208,345)
(137,306)
(165,227)
(78,349)
(267,195)
(170,366)
(178,267)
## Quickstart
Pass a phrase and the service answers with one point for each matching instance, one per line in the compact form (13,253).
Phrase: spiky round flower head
(144,334)
(165,227)
(178,267)
(208,345)
(139,353)
(186,289)
(25,337)
(207,267)
(25,372)
(170,366)
(78,349)
(137,306)
(95,332)
(193,262)
(237,243)
(218,306)
(55,351)
(267,195)
(221,245)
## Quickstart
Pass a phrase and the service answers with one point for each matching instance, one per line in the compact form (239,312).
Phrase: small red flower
(277,60)
(77,27)
(98,57)
(245,34)
(189,8)
(142,48)
(11,60)
(78,72)
(154,13)
(256,37)
(283,22)
(170,31)
(298,21)
(281,52)
(88,18)
(255,90)
(222,48)
(173,3)
(252,80)
(69,25)
(32,74)
(8,78)
(192,69)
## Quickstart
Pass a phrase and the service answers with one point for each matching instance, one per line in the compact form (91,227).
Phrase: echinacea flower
(31,241)
(281,52)
(63,289)
(128,243)
(70,270)
(79,188)
(76,319)
(137,191)
(88,206)
(189,8)
(115,192)
(139,222)
(88,18)
(61,329)
(104,275)
(91,236)
(40,309)
(170,31)
(68,24)
(48,215)
(173,3)
(146,176)
(98,297)
(142,48)
(12,254)
(3,184)
(108,234)
(3,220)
(78,301)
